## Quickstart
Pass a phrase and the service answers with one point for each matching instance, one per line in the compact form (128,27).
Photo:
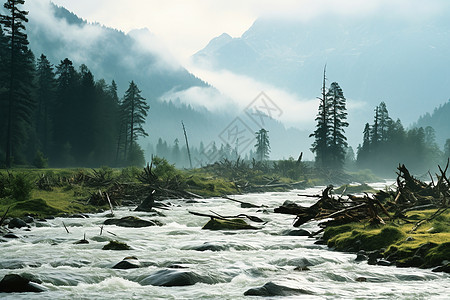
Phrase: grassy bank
(397,241)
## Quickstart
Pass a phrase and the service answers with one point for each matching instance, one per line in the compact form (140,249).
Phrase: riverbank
(53,192)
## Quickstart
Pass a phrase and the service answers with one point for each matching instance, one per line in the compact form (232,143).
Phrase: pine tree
(321,134)
(45,93)
(135,111)
(262,145)
(20,61)
(64,119)
(337,143)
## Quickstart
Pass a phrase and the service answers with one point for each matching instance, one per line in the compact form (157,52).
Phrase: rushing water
(247,259)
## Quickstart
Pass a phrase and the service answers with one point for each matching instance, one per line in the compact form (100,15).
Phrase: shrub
(40,161)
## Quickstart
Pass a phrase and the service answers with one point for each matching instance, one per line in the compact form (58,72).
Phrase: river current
(246,259)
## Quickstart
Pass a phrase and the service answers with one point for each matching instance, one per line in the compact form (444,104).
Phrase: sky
(186,26)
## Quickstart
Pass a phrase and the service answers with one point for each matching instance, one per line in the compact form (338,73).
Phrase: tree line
(59,114)
(386,143)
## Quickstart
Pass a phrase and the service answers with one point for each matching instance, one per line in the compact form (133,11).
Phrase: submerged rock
(130,262)
(116,245)
(13,283)
(131,221)
(272,289)
(229,224)
(297,232)
(173,278)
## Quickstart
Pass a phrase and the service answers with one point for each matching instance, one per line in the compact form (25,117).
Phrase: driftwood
(411,194)
(4,216)
(217,216)
(243,203)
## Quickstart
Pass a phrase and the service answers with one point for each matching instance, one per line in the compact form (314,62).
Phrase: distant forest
(61,116)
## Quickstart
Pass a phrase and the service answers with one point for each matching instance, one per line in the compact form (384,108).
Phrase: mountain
(139,56)
(109,53)
(374,59)
(439,120)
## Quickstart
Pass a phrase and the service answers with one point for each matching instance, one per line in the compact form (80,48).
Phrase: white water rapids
(248,258)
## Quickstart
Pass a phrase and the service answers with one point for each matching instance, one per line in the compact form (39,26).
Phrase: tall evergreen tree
(321,134)
(338,115)
(45,97)
(64,119)
(262,145)
(135,111)
(20,62)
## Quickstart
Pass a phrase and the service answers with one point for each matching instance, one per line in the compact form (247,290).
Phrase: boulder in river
(13,283)
(116,245)
(272,289)
(17,223)
(132,221)
(173,277)
(296,232)
(130,262)
(228,224)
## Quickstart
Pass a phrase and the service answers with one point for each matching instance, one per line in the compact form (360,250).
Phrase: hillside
(439,120)
(389,59)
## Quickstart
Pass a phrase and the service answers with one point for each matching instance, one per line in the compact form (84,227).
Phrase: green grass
(397,238)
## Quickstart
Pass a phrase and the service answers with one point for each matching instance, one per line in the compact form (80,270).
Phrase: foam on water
(241,260)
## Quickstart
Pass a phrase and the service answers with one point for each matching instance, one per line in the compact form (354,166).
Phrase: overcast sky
(186,26)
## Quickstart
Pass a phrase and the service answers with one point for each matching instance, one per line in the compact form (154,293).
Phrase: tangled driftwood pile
(410,194)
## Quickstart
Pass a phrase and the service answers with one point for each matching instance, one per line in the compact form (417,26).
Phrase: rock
(83,241)
(116,245)
(172,278)
(229,224)
(272,289)
(383,262)
(209,247)
(10,235)
(290,208)
(443,268)
(13,283)
(415,261)
(17,223)
(361,257)
(131,221)
(302,268)
(361,279)
(297,232)
(130,262)
(147,204)
(28,219)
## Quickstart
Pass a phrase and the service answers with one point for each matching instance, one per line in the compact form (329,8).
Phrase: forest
(62,116)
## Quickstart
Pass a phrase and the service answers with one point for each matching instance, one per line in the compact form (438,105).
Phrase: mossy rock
(363,239)
(116,245)
(435,256)
(231,224)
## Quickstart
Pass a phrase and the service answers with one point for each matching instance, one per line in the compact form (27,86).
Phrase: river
(247,259)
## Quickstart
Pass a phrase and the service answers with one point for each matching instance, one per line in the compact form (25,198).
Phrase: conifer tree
(321,134)
(337,143)
(262,145)
(20,67)
(135,112)
(45,97)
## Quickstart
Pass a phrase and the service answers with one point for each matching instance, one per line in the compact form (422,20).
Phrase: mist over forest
(77,76)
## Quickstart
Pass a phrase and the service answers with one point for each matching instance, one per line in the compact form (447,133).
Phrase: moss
(364,239)
(231,224)
(116,245)
(438,254)
(37,207)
